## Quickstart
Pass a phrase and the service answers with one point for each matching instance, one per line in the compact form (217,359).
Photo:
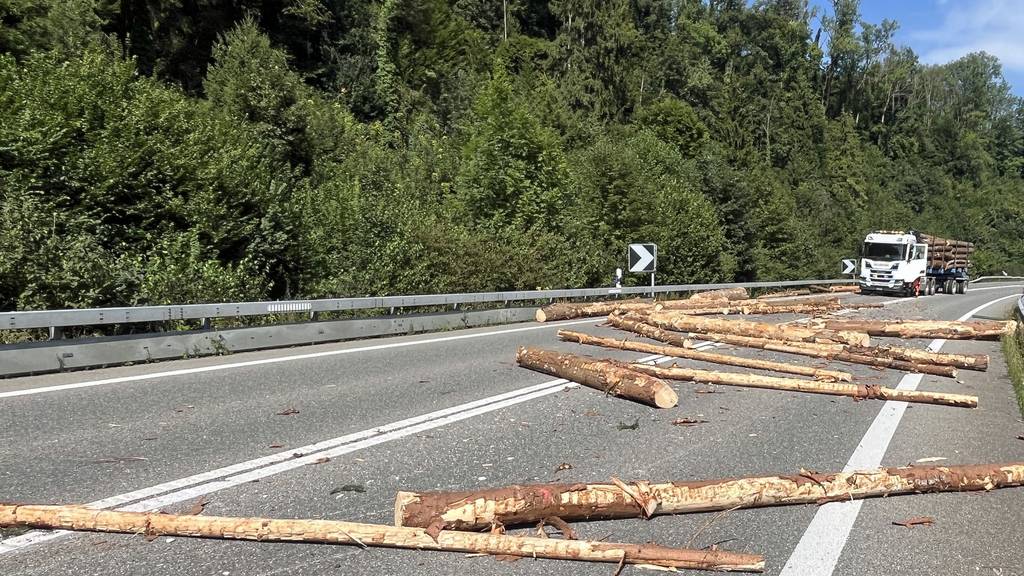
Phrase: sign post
(850,267)
(643,259)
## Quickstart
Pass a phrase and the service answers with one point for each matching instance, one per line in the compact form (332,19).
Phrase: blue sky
(943,30)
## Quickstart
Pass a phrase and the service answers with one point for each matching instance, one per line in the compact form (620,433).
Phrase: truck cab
(893,262)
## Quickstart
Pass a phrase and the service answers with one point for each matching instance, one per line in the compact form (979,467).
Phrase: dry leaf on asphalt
(198,506)
(563,466)
(916,521)
(688,422)
(288,412)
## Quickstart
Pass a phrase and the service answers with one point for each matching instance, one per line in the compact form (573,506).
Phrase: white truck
(912,263)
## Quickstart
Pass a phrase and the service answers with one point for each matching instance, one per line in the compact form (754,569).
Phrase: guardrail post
(204,324)
(56,332)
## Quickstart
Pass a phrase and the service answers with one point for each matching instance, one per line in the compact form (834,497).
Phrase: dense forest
(156,151)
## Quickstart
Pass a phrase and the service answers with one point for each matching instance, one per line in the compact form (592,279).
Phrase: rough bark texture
(632,324)
(977,362)
(853,289)
(80,518)
(723,294)
(823,300)
(569,310)
(678,352)
(528,504)
(761,308)
(857,391)
(604,375)
(686,323)
(948,329)
(784,293)
(867,355)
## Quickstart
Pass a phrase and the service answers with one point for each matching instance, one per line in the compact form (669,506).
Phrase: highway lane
(749,432)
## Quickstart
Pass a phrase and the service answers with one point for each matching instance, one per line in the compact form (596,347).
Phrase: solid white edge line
(277,359)
(819,549)
(207,482)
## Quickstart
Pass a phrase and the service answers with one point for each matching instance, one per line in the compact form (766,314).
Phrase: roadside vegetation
(1013,349)
(174,152)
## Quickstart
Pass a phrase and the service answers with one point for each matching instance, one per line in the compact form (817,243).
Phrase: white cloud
(993,26)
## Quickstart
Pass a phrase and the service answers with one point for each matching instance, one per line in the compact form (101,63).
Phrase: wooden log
(528,504)
(762,308)
(569,310)
(853,289)
(603,375)
(736,293)
(632,324)
(80,518)
(828,299)
(784,293)
(977,362)
(685,323)
(833,352)
(856,391)
(947,329)
(689,354)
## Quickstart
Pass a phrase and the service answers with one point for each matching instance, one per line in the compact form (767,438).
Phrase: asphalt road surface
(452,411)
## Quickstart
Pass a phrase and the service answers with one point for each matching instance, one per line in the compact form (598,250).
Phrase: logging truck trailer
(911,263)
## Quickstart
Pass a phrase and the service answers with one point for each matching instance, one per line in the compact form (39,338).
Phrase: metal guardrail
(57,319)
(982,278)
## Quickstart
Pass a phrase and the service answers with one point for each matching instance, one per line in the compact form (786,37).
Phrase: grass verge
(1013,350)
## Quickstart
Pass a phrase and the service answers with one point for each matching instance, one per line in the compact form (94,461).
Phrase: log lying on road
(838,352)
(977,362)
(528,504)
(856,391)
(80,518)
(632,324)
(604,375)
(685,323)
(760,308)
(948,329)
(784,293)
(679,352)
(569,310)
(723,294)
(852,288)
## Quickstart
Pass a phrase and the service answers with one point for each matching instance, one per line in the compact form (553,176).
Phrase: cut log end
(666,397)
(540,316)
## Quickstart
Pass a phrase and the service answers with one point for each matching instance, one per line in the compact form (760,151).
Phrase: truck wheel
(948,288)
(960,287)
(967,284)
(929,286)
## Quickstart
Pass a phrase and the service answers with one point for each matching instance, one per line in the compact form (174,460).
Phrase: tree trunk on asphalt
(950,330)
(528,504)
(355,534)
(685,323)
(823,300)
(678,352)
(603,375)
(569,310)
(784,293)
(856,391)
(866,355)
(723,294)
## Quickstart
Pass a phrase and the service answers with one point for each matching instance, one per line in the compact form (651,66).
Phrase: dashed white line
(819,549)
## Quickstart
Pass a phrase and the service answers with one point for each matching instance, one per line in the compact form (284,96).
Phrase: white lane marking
(819,549)
(275,360)
(205,483)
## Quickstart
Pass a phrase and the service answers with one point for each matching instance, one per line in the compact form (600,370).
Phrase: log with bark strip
(528,504)
(853,289)
(689,354)
(723,294)
(685,323)
(762,308)
(569,310)
(836,352)
(604,375)
(856,391)
(784,293)
(947,329)
(80,518)
(822,300)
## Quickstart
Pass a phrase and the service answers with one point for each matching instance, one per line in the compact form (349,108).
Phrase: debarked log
(856,391)
(700,356)
(80,518)
(604,375)
(569,310)
(528,504)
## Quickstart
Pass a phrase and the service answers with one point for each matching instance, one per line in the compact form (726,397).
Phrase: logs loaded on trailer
(946,329)
(80,518)
(685,323)
(855,391)
(570,310)
(606,376)
(710,357)
(528,504)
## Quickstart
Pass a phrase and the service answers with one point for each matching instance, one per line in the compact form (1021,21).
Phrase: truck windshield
(876,251)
